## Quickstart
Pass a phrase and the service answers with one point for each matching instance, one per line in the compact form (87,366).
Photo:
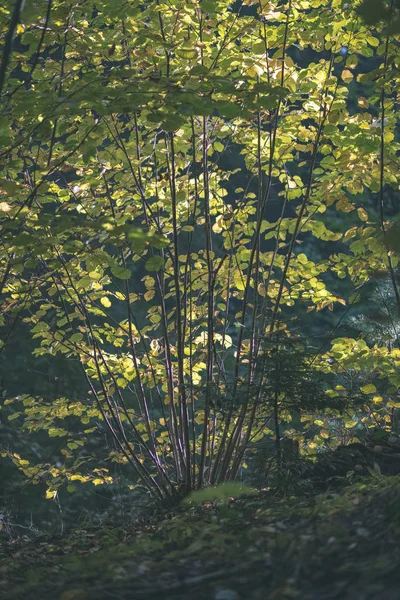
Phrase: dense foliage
(186,189)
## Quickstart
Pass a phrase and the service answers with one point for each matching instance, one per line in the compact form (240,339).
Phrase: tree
(127,245)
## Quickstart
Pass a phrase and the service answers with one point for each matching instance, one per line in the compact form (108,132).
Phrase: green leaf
(218,147)
(14,416)
(121,272)
(228,110)
(391,239)
(187,53)
(372,11)
(76,337)
(23,239)
(155,263)
(57,432)
(158,241)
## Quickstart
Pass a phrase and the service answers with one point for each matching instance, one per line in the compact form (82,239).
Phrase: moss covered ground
(342,544)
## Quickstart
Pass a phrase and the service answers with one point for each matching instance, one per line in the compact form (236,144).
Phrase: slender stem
(210,306)
(7,49)
(382,176)
(255,244)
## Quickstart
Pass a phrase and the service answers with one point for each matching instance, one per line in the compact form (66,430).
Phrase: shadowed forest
(199,299)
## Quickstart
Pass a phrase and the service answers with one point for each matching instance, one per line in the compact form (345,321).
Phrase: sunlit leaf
(220,492)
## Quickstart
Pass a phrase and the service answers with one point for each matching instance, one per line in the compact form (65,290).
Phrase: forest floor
(342,544)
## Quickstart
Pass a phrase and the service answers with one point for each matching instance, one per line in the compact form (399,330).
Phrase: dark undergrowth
(342,543)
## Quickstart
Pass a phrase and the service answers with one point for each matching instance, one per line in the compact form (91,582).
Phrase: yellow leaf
(261,289)
(362,214)
(368,389)
(4,207)
(302,258)
(373,41)
(347,76)
(149,295)
(377,399)
(389,137)
(121,382)
(363,102)
(94,275)
(78,478)
(254,70)
(105,302)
